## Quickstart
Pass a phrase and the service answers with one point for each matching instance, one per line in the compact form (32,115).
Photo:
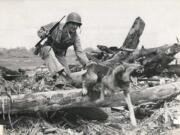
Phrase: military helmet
(74,17)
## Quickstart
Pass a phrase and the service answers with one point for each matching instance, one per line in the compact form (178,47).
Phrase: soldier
(54,49)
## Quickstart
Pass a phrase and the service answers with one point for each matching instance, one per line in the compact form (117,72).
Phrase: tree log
(132,39)
(61,99)
(131,42)
(173,69)
(154,60)
(9,74)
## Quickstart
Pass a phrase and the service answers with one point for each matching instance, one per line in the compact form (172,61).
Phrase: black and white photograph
(89,67)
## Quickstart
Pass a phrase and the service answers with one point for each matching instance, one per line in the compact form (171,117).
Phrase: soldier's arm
(79,52)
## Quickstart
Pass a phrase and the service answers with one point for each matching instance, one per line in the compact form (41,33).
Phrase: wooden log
(132,39)
(131,42)
(61,99)
(96,57)
(104,48)
(154,60)
(173,69)
(9,74)
(104,53)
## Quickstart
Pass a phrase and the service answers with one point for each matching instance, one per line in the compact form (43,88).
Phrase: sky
(105,22)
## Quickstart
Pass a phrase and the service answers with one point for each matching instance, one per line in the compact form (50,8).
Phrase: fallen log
(61,99)
(173,69)
(113,54)
(9,74)
(104,49)
(154,60)
(131,42)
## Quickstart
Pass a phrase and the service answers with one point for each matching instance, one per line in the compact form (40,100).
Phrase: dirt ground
(25,59)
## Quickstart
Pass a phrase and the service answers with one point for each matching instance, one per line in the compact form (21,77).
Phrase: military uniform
(54,50)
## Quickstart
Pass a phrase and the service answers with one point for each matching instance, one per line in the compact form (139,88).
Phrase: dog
(93,75)
(113,79)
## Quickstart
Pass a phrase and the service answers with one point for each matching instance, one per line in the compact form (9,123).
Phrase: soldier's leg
(66,76)
(51,61)
(63,62)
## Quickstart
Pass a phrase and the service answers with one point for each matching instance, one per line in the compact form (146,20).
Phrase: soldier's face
(72,27)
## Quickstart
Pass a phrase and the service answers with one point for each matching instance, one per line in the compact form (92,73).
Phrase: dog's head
(133,69)
(125,70)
